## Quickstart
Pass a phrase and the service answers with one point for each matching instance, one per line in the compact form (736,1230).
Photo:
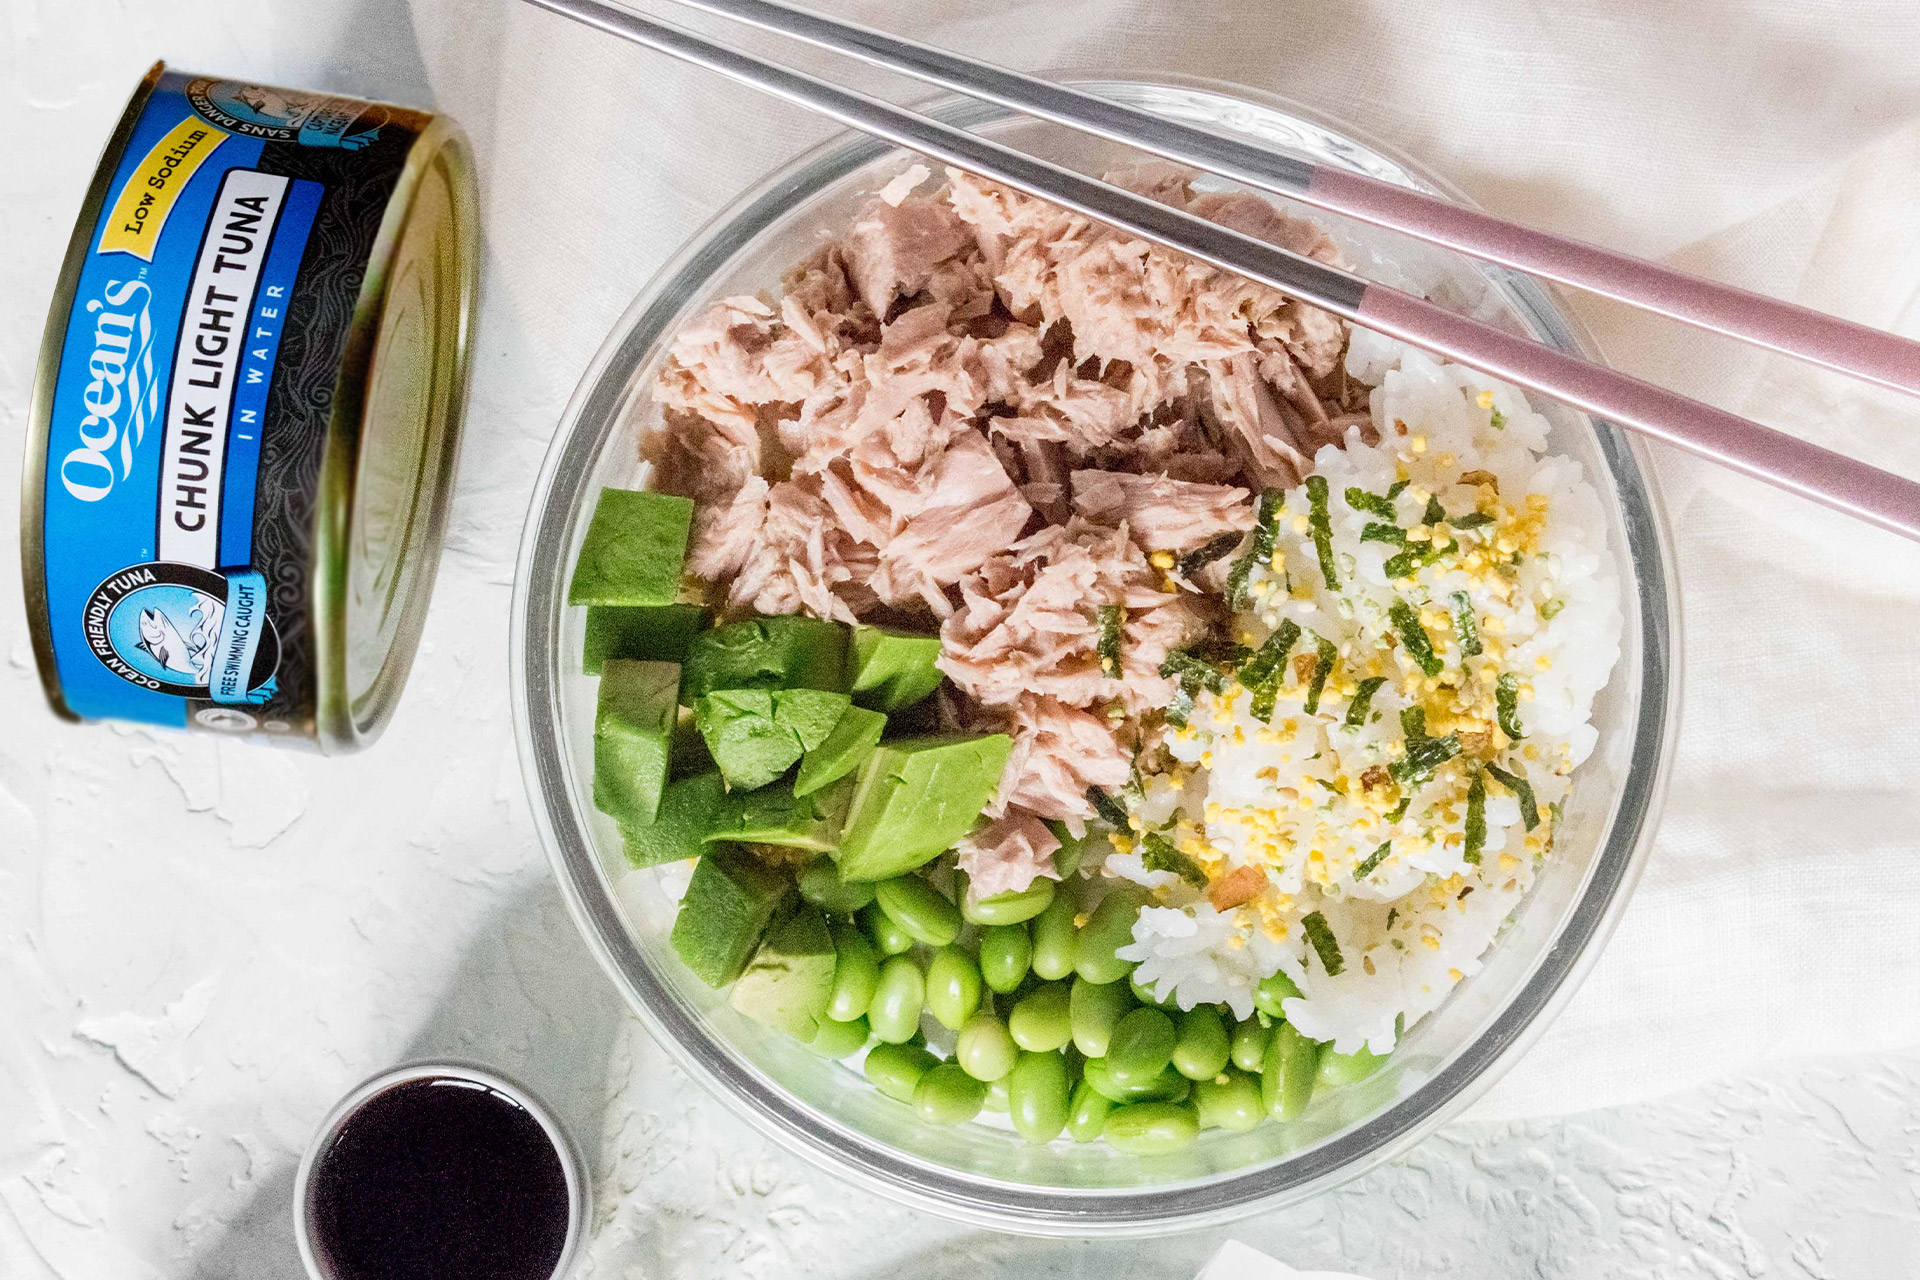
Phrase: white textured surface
(202,946)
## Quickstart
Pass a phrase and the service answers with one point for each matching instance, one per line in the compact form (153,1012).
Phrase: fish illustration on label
(187,631)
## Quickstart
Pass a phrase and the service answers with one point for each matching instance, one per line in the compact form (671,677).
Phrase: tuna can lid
(387,471)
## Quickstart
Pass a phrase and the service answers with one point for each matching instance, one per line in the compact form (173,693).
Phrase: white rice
(1288,795)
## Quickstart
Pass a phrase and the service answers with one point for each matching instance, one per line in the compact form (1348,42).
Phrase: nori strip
(1464,626)
(1113,618)
(1522,791)
(1325,654)
(1476,819)
(1322,526)
(1110,810)
(1207,552)
(1372,861)
(1158,854)
(1506,701)
(1360,500)
(1325,945)
(1362,699)
(1414,636)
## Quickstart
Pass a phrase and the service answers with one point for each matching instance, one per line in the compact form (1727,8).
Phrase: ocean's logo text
(120,378)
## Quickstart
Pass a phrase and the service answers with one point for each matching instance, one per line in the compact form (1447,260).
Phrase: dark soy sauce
(440,1179)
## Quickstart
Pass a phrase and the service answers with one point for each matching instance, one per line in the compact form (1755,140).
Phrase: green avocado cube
(635,548)
(642,633)
(775,815)
(790,979)
(632,736)
(913,799)
(689,810)
(728,903)
(755,735)
(853,739)
(690,754)
(767,653)
(892,669)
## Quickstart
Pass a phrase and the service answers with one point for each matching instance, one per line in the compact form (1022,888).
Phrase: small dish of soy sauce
(440,1171)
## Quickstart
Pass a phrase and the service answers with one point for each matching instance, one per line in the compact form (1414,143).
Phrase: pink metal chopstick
(1878,497)
(1791,330)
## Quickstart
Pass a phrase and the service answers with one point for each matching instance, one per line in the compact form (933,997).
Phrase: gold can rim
(343,721)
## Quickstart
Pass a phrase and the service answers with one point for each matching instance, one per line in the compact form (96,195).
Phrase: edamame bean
(1336,1069)
(898,998)
(1038,1096)
(985,1048)
(894,1069)
(1286,1077)
(1249,1047)
(1107,930)
(948,1095)
(1088,1113)
(1095,1009)
(997,1093)
(1200,1053)
(840,1039)
(1168,1086)
(889,939)
(856,972)
(821,885)
(1055,939)
(1272,989)
(1006,954)
(1230,1100)
(1040,1022)
(921,910)
(1144,994)
(1151,1128)
(1009,908)
(953,987)
(1141,1047)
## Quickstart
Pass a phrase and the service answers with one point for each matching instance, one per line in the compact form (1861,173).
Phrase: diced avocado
(755,735)
(690,754)
(853,739)
(689,810)
(892,669)
(774,815)
(767,653)
(635,548)
(726,908)
(642,633)
(914,798)
(632,732)
(790,979)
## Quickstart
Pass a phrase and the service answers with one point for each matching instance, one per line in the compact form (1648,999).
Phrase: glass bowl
(984,1175)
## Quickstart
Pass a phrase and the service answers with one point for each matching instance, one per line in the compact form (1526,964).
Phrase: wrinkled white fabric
(1772,144)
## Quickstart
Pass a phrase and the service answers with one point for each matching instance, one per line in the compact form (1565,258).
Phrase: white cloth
(1236,1261)
(1772,144)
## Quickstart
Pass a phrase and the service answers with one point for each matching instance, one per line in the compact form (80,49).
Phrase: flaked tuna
(801,560)
(1029,622)
(1007,854)
(981,408)
(893,249)
(1058,752)
(1160,512)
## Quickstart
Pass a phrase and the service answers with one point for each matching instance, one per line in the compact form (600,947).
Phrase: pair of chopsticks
(1878,497)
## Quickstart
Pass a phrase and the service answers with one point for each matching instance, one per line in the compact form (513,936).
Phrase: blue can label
(196,384)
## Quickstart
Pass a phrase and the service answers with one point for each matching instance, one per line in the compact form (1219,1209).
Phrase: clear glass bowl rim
(1044,1211)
